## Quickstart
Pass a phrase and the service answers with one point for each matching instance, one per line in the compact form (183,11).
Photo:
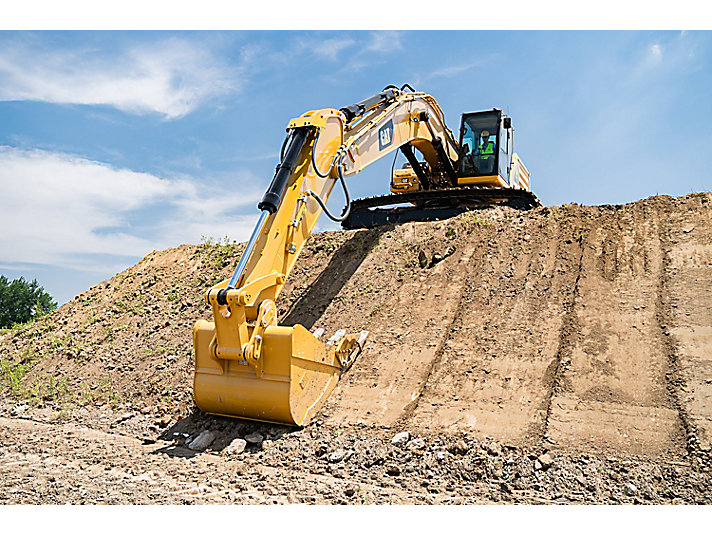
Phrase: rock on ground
(254,438)
(202,441)
(236,447)
(400,439)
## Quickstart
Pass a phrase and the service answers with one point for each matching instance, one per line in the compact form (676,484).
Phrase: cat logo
(385,135)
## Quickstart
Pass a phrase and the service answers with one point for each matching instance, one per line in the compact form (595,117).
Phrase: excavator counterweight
(246,364)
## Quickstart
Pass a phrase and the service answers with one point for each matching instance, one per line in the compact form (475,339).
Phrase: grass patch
(104,391)
(215,257)
(11,377)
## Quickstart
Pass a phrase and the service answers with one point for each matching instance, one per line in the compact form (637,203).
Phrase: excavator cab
(482,170)
(487,145)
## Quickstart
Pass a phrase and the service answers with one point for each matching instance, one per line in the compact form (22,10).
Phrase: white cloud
(385,41)
(171,77)
(672,55)
(455,70)
(330,48)
(372,50)
(67,211)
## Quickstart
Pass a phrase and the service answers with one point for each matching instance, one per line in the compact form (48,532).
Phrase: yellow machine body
(246,364)
(404,180)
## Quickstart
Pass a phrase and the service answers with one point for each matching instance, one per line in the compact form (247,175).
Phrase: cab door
(506,148)
(479,142)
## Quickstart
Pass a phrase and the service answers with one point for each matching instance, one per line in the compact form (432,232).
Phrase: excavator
(246,364)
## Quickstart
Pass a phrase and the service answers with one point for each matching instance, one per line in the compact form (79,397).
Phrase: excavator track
(432,205)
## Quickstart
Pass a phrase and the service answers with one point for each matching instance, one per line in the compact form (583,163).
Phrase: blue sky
(113,144)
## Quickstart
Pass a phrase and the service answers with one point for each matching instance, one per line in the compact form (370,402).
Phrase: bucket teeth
(349,347)
(334,340)
(362,338)
(318,333)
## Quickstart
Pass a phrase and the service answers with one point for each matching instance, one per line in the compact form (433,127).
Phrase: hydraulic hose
(284,145)
(347,208)
(316,170)
(401,89)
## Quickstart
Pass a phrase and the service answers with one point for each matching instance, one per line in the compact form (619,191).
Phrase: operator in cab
(485,153)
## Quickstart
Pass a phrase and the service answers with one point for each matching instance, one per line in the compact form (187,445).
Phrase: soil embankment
(558,355)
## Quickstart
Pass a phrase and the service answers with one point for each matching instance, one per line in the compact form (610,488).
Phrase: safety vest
(486,150)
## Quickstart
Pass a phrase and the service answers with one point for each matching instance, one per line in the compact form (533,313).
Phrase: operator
(485,151)
(486,148)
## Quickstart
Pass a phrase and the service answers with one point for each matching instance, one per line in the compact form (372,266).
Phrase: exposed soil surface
(558,355)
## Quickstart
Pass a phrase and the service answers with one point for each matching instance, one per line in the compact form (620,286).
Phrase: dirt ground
(558,355)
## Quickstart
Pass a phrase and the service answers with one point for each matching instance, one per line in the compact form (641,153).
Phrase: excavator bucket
(297,375)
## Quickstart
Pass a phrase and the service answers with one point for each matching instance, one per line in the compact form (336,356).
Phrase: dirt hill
(559,354)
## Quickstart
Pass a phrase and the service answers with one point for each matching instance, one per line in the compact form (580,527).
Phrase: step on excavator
(246,364)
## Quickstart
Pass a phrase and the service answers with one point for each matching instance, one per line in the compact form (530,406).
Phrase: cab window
(479,145)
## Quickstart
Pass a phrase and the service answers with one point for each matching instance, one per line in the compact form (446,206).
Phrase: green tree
(21,301)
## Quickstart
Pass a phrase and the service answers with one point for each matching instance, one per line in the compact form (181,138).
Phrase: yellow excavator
(246,364)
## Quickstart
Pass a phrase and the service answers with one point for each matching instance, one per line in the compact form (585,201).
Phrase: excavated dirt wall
(501,339)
